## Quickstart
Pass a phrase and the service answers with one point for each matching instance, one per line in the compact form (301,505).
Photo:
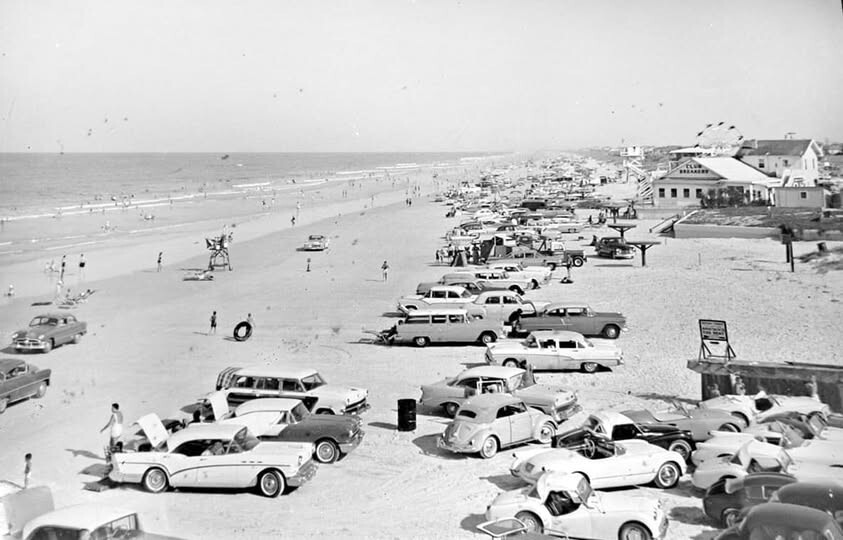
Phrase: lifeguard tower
(633,166)
(219,252)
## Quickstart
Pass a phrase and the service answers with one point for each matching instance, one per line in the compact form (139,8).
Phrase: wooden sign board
(714,340)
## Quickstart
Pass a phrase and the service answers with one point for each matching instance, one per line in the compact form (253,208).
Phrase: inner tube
(242,331)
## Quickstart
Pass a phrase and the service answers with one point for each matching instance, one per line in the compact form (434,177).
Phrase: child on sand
(213,323)
(27,470)
(385,270)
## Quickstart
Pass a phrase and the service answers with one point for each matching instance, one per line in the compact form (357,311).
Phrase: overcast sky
(397,75)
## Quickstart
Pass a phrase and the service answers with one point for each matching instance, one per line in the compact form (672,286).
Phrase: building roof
(775,147)
(732,169)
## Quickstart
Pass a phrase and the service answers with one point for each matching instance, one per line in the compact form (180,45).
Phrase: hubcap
(667,475)
(269,483)
(633,534)
(156,480)
(489,446)
(326,452)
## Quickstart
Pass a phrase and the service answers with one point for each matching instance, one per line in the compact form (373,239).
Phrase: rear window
(467,414)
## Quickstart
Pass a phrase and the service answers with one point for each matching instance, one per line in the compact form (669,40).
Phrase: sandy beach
(147,349)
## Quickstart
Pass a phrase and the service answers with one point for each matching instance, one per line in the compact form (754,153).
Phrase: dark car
(700,422)
(775,521)
(576,317)
(19,381)
(614,247)
(620,428)
(48,331)
(728,497)
(826,496)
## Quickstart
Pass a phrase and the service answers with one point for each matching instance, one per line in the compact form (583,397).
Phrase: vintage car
(700,422)
(760,407)
(757,456)
(620,428)
(823,495)
(726,499)
(486,423)
(285,419)
(316,242)
(438,296)
(444,325)
(469,283)
(88,522)
(776,521)
(606,463)
(213,456)
(19,381)
(614,247)
(566,505)
(575,317)
(536,275)
(506,305)
(48,331)
(812,426)
(450,393)
(497,278)
(552,350)
(306,384)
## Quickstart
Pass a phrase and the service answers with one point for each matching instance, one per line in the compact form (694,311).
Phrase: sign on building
(714,341)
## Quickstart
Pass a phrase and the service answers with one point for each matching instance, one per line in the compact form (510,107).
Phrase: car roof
(6,364)
(439,311)
(574,304)
(802,517)
(275,371)
(612,417)
(455,288)
(491,371)
(80,516)
(557,334)
(54,315)
(195,432)
(803,491)
(266,404)
(496,292)
(767,478)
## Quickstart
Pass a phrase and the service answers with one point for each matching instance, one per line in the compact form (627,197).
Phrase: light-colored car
(505,305)
(565,504)
(700,422)
(316,242)
(486,423)
(450,393)
(48,331)
(213,456)
(757,456)
(760,407)
(551,350)
(444,325)
(88,522)
(608,464)
(536,275)
(285,419)
(498,278)
(438,296)
(306,384)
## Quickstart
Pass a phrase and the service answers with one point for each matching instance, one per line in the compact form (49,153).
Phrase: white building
(795,161)
(698,177)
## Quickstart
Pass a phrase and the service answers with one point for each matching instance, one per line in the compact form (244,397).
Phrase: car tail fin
(225,377)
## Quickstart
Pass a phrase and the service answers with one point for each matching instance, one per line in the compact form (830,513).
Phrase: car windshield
(591,423)
(516,382)
(816,424)
(298,413)
(246,440)
(465,294)
(43,321)
(785,460)
(313,381)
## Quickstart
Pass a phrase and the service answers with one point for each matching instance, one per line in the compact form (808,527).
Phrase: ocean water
(41,184)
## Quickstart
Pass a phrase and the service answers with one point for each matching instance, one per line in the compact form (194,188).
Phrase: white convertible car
(612,464)
(550,350)
(213,456)
(757,456)
(761,406)
(565,505)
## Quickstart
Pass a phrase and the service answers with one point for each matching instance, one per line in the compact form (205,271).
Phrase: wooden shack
(792,379)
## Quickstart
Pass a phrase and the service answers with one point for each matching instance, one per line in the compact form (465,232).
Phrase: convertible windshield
(313,381)
(245,440)
(816,424)
(298,412)
(465,294)
(43,321)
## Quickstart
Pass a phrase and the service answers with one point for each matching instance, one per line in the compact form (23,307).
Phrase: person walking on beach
(213,323)
(82,263)
(385,270)
(160,255)
(59,286)
(27,470)
(293,221)
(250,320)
(63,266)
(115,427)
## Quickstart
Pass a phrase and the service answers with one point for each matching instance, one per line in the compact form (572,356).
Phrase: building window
(661,193)
(698,193)
(760,163)
(673,193)
(686,193)
(803,194)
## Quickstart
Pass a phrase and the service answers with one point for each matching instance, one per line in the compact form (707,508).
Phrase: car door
(520,423)
(493,306)
(216,469)
(566,355)
(575,320)
(501,425)
(553,319)
(577,522)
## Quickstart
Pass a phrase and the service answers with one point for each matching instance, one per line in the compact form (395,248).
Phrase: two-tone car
(506,305)
(606,463)
(306,384)
(726,499)
(762,406)
(565,505)
(444,325)
(212,456)
(700,422)
(497,278)
(618,427)
(48,331)
(288,420)
(316,242)
(89,522)
(468,282)
(488,422)
(438,296)
(574,317)
(536,275)
(19,381)
(450,393)
(555,350)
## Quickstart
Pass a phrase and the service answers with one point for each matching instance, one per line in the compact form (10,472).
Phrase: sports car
(700,422)
(762,406)
(606,463)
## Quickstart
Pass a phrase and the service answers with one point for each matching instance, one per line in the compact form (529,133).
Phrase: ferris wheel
(719,139)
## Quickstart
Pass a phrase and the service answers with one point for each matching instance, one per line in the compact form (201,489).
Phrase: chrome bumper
(305,474)
(353,443)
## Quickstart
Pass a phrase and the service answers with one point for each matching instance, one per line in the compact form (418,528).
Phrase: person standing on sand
(385,270)
(213,323)
(63,266)
(114,425)
(82,263)
(59,286)
(250,320)
(160,255)
(27,470)
(293,221)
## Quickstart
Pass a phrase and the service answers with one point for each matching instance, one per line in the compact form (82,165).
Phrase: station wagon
(425,326)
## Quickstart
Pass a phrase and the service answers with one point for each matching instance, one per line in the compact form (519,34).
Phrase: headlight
(41,336)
